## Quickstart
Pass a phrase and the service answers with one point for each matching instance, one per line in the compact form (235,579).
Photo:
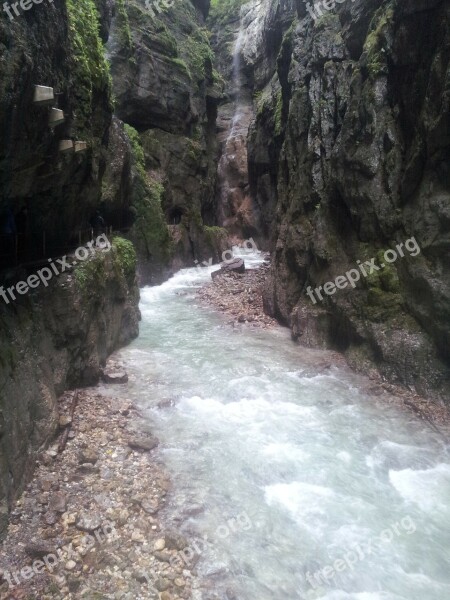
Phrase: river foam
(253,423)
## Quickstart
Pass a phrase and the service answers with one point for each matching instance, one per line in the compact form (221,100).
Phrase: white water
(309,464)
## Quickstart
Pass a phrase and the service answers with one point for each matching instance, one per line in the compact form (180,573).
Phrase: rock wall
(57,337)
(57,45)
(52,339)
(167,90)
(348,156)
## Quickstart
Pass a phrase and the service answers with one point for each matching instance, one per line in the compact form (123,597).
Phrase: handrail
(21,249)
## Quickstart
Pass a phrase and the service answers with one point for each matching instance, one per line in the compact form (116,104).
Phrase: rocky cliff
(149,169)
(57,337)
(54,45)
(167,91)
(348,157)
(52,339)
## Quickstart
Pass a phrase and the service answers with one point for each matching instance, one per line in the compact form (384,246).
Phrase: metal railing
(20,249)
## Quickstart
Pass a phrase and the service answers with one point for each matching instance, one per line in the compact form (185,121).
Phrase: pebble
(88,522)
(159,544)
(58,502)
(88,456)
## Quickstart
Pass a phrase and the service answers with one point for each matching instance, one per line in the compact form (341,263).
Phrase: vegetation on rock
(150,230)
(90,75)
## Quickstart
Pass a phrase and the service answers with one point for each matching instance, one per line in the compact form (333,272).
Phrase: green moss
(136,149)
(374,52)
(214,232)
(286,44)
(90,71)
(180,62)
(326,21)
(386,279)
(278,114)
(123,26)
(215,237)
(197,52)
(384,300)
(90,275)
(124,257)
(149,230)
(222,10)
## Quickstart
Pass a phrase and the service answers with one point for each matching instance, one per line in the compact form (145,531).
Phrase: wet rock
(236,265)
(134,490)
(70,565)
(46,484)
(73,583)
(64,421)
(150,506)
(162,584)
(193,510)
(175,541)
(240,296)
(88,469)
(58,502)
(163,556)
(141,575)
(138,536)
(88,522)
(50,518)
(115,377)
(145,443)
(39,549)
(88,455)
(159,544)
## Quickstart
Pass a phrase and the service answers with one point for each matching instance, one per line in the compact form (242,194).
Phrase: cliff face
(55,45)
(348,157)
(167,90)
(149,169)
(55,338)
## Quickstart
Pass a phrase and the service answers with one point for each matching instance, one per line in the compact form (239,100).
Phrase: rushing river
(304,486)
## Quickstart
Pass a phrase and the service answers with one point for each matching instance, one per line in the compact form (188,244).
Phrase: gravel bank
(87,526)
(239,296)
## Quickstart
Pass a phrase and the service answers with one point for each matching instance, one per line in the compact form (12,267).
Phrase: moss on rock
(150,232)
(90,71)
(125,257)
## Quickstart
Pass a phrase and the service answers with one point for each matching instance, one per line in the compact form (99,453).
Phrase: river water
(300,484)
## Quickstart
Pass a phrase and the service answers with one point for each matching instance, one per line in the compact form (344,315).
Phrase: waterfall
(237,83)
(233,203)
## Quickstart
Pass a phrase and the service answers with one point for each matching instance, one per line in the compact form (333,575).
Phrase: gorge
(189,127)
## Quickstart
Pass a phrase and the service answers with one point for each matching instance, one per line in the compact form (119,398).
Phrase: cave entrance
(175,216)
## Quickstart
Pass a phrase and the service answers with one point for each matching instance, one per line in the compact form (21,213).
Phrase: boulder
(236,265)
(114,377)
(145,443)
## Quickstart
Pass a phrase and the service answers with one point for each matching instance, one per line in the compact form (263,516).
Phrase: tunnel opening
(175,215)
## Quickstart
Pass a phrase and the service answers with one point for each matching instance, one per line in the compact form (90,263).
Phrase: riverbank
(87,525)
(240,296)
